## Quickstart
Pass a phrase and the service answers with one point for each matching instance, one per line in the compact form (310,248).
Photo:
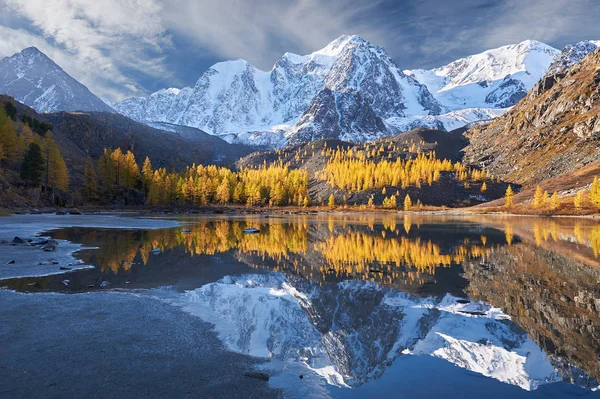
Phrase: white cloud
(261,30)
(95,40)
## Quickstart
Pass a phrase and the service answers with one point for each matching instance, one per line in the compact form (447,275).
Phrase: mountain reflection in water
(341,298)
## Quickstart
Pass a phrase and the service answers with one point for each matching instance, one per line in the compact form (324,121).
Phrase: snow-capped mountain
(35,80)
(235,97)
(301,327)
(496,78)
(572,54)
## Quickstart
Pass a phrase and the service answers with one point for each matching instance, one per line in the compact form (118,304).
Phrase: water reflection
(344,297)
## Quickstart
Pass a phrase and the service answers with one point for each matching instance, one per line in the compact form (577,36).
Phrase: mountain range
(349,90)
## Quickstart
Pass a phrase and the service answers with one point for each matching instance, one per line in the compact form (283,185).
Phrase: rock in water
(39,241)
(48,262)
(19,241)
(257,375)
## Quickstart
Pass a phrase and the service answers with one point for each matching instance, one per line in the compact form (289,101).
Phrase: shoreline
(285,210)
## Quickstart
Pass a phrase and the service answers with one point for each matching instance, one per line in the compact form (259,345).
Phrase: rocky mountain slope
(553,131)
(35,80)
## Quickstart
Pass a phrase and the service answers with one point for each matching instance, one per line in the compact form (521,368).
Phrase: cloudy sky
(124,48)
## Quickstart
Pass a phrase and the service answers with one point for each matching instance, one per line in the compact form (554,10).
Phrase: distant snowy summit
(572,54)
(496,78)
(350,89)
(35,80)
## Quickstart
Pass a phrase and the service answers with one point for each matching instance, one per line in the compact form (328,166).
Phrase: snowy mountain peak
(35,80)
(572,54)
(496,78)
(334,48)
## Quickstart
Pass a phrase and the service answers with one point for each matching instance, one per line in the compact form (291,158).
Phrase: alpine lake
(312,305)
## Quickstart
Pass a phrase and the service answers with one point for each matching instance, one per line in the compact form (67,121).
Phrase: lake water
(371,305)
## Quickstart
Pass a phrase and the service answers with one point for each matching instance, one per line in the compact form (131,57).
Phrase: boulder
(50,246)
(39,241)
(19,241)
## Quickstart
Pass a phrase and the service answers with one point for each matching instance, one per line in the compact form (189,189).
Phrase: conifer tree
(508,196)
(56,174)
(407,203)
(594,193)
(106,169)
(331,201)
(32,166)
(11,110)
(118,159)
(484,187)
(554,201)
(90,182)
(578,200)
(131,171)
(8,137)
(538,198)
(147,174)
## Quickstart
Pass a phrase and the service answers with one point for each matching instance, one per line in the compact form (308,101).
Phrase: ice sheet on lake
(28,258)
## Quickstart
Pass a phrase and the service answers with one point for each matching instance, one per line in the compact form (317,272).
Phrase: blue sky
(124,48)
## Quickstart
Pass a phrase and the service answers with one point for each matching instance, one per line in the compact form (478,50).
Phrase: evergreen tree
(483,187)
(32,166)
(11,110)
(508,196)
(90,182)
